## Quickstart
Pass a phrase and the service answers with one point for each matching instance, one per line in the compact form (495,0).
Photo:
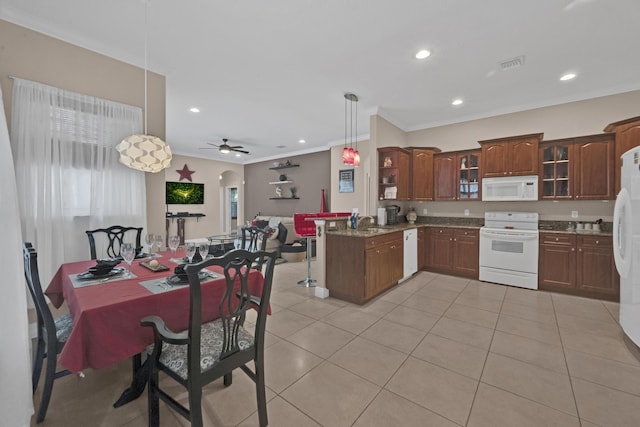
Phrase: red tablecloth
(106,316)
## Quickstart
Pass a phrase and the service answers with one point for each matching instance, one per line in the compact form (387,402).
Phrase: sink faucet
(365,222)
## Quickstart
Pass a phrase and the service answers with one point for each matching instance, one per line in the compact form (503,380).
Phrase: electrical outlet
(574,214)
(466,212)
(424,211)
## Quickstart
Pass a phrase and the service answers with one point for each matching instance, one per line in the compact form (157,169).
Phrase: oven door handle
(510,235)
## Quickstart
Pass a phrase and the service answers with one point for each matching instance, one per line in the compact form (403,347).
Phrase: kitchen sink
(377,229)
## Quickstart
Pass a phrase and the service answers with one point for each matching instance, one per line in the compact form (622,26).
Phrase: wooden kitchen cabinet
(557,262)
(453,251)
(596,272)
(421,183)
(593,172)
(627,136)
(516,155)
(440,249)
(423,249)
(360,268)
(457,175)
(444,176)
(578,265)
(466,253)
(578,168)
(393,171)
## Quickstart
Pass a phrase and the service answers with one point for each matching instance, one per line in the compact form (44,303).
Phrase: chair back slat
(236,300)
(114,237)
(254,239)
(32,277)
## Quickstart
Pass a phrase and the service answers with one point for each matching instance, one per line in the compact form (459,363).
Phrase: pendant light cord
(146,21)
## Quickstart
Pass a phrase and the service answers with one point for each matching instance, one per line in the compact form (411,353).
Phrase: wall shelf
(197,216)
(281,182)
(284,167)
(284,198)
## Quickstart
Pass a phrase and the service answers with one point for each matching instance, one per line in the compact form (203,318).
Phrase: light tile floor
(434,351)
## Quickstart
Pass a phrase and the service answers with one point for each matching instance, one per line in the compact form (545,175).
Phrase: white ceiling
(268,73)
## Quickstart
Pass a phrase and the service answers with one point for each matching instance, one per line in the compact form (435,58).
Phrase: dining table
(106,311)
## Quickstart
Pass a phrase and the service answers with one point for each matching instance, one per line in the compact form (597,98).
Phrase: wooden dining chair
(52,332)
(115,236)
(255,239)
(206,352)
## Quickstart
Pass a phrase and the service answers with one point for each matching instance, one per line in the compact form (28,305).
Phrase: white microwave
(510,189)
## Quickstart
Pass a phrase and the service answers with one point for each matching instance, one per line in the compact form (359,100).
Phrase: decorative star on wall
(185,173)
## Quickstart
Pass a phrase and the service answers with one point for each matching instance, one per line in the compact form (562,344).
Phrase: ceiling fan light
(146,153)
(224,150)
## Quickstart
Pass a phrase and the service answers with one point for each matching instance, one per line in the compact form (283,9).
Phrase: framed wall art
(345,181)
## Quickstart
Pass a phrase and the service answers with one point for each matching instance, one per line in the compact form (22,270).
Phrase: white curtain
(16,405)
(67,170)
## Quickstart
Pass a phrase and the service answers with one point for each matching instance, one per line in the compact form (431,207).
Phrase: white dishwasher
(410,253)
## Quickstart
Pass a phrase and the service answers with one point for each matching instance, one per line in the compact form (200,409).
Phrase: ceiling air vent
(511,63)
(281,146)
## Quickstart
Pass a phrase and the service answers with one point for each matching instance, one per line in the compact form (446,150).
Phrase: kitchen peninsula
(364,263)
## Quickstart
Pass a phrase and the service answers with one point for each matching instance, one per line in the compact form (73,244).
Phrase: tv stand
(181,216)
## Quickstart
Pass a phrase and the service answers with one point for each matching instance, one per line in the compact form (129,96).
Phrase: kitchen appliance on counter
(626,244)
(392,214)
(509,249)
(510,188)
(382,216)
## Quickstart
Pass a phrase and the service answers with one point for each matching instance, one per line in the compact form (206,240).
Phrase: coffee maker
(392,214)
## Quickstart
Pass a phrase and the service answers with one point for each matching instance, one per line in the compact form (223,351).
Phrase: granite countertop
(580,232)
(457,222)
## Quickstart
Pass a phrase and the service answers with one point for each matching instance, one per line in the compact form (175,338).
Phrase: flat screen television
(184,193)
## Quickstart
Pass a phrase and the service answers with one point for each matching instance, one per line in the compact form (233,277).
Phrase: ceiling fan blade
(209,148)
(240,151)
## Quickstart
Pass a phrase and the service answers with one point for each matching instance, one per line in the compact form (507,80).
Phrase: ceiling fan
(225,148)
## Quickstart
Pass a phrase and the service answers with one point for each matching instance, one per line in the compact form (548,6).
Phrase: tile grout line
(475,394)
(564,356)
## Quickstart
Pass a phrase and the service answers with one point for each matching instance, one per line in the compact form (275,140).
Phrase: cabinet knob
(557,239)
(597,242)
(504,173)
(450,239)
(573,249)
(580,250)
(465,233)
(577,196)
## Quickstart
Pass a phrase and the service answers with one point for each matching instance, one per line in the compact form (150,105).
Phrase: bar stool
(307,229)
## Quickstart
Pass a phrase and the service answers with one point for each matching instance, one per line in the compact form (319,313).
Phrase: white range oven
(509,249)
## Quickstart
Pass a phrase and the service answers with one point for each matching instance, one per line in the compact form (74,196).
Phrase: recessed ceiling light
(302,141)
(237,154)
(194,110)
(423,54)
(457,102)
(568,76)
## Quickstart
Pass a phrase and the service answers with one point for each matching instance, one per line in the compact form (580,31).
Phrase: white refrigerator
(626,243)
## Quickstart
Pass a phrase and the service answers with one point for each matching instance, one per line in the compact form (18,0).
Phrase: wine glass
(204,250)
(190,250)
(128,252)
(174,241)
(159,241)
(150,239)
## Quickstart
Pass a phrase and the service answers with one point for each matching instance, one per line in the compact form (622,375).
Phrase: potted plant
(294,191)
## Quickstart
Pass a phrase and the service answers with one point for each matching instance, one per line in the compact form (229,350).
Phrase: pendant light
(144,152)
(350,156)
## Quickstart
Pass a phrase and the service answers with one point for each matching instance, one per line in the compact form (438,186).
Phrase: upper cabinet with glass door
(469,175)
(578,168)
(555,169)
